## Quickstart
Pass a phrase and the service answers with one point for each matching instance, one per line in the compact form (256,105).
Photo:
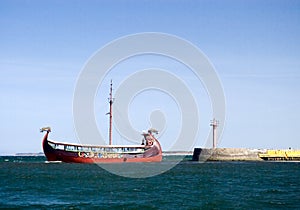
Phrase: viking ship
(148,151)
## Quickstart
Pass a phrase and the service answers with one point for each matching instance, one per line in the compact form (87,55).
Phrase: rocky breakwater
(227,154)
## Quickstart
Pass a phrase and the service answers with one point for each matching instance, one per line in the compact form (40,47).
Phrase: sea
(33,183)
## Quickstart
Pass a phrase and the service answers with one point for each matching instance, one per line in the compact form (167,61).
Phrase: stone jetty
(227,154)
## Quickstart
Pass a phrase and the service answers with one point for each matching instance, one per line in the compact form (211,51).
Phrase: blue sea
(32,183)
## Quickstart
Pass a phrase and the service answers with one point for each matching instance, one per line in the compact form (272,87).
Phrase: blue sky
(254,46)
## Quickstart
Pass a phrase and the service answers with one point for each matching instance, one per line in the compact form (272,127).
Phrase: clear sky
(254,46)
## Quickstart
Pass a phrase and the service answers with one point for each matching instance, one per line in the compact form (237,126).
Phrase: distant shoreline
(165,153)
(28,154)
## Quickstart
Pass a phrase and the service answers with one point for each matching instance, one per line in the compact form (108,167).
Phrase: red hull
(147,153)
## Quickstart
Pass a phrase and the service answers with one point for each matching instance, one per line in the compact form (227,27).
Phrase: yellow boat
(287,154)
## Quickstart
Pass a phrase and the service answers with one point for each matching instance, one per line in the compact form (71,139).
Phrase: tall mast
(110,100)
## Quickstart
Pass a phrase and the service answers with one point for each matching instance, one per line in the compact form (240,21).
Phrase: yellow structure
(281,155)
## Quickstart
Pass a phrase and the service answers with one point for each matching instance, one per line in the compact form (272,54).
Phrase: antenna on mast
(110,101)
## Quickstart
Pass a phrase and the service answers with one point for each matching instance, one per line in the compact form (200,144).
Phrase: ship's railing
(78,148)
